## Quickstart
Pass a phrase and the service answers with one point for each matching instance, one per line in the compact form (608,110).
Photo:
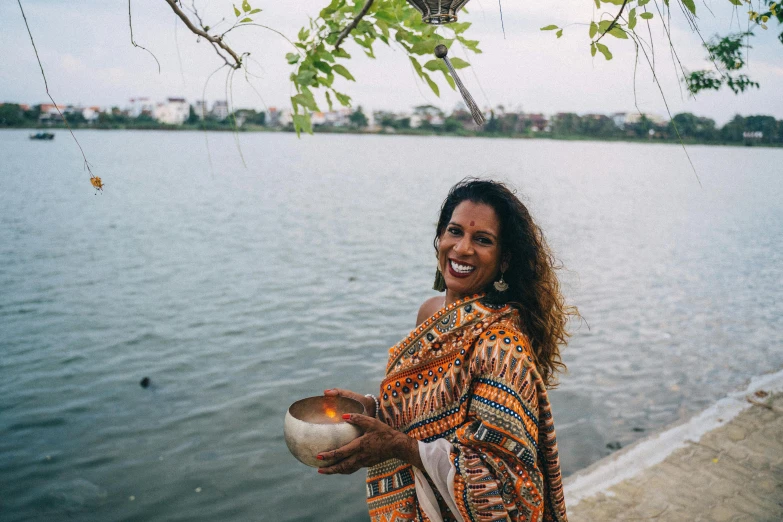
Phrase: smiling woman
(462,429)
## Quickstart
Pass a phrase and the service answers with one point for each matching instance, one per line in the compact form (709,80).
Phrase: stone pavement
(731,473)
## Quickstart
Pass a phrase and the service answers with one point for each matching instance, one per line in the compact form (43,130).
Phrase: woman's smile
(460,269)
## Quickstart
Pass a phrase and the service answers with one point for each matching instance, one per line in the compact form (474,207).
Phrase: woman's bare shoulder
(428,308)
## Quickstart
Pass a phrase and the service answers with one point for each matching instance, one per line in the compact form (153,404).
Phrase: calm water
(238,290)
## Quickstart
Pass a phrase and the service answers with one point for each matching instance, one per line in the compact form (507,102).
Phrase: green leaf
(604,50)
(384,27)
(691,5)
(632,19)
(386,17)
(559,33)
(302,122)
(303,34)
(246,6)
(433,85)
(471,44)
(646,16)
(328,100)
(254,11)
(436,65)
(292,58)
(604,25)
(342,71)
(305,99)
(245,20)
(598,4)
(617,32)
(305,77)
(459,28)
(340,53)
(593,29)
(735,2)
(237,12)
(323,67)
(324,56)
(424,46)
(643,2)
(416,66)
(459,63)
(592,49)
(550,28)
(344,99)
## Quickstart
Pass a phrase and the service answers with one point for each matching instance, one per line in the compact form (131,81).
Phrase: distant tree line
(429,119)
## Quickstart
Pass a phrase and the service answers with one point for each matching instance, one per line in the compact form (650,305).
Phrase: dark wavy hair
(531,275)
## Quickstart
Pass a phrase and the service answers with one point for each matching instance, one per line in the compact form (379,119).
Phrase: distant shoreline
(405,132)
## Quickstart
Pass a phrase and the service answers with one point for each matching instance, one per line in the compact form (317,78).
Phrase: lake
(239,282)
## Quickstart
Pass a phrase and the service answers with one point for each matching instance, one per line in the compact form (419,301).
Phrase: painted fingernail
(319,457)
(320,471)
(346,416)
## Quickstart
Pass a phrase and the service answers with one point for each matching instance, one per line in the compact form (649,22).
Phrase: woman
(462,429)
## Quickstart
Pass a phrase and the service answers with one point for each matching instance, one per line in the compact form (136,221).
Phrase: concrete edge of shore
(655,448)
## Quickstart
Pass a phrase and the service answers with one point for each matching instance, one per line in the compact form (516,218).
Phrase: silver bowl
(315,424)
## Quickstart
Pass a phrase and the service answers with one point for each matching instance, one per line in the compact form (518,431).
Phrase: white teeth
(462,269)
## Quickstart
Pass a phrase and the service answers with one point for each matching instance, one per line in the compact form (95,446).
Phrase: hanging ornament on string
(442,12)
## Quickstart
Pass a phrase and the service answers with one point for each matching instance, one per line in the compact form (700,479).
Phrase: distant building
(50,113)
(219,110)
(173,112)
(91,114)
(536,122)
(279,117)
(619,119)
(200,108)
(635,117)
(139,106)
(427,113)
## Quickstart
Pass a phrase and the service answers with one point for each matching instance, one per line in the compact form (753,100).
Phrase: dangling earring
(440,283)
(501,286)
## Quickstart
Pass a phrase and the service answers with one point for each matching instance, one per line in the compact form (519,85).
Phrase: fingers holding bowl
(368,403)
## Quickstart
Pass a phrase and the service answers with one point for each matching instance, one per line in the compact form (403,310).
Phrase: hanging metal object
(438,12)
(441,51)
(441,12)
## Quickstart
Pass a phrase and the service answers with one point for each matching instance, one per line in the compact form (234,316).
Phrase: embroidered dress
(465,385)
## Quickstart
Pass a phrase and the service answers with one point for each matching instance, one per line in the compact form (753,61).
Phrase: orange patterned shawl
(468,374)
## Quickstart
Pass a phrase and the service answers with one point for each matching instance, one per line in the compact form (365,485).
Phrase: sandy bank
(724,464)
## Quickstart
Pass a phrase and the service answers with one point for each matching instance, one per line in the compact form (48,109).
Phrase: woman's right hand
(367,402)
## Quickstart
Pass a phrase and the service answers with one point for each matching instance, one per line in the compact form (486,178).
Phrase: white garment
(436,457)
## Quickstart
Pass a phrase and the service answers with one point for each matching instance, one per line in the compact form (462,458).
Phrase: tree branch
(614,22)
(130,24)
(353,24)
(95,180)
(216,41)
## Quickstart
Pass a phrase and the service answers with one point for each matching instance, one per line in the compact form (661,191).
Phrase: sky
(88,58)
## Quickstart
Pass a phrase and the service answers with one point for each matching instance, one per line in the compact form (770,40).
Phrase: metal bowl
(315,424)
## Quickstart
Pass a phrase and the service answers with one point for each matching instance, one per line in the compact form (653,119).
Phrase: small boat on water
(42,136)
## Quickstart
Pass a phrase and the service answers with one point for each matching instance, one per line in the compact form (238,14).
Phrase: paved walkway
(726,465)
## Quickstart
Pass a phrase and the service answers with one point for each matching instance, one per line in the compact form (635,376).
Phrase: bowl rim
(351,405)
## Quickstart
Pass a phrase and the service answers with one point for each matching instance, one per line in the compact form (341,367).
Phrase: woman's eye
(454,231)
(484,240)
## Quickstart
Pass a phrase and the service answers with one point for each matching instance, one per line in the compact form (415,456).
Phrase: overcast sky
(88,58)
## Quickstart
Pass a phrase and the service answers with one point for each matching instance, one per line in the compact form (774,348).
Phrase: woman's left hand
(380,442)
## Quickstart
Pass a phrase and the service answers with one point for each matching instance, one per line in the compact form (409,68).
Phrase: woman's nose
(464,246)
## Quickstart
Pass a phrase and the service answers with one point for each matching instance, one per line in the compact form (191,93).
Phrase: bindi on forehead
(472,223)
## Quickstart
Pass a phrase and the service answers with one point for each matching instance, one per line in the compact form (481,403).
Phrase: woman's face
(469,249)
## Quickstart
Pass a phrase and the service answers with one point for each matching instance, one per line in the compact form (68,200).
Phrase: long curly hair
(534,289)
